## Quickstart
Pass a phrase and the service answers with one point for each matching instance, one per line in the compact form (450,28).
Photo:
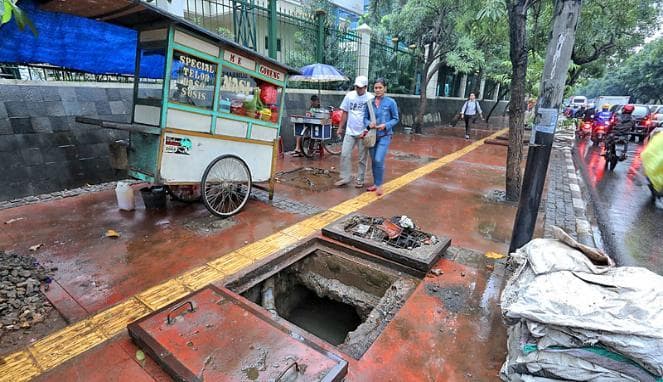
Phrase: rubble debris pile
(22,304)
(308,178)
(398,232)
(571,319)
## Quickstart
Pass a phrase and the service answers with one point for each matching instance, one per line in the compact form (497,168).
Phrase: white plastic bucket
(125,197)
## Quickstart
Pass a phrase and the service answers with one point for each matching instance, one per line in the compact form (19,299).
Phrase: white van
(577,101)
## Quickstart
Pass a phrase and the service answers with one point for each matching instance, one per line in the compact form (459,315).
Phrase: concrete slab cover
(215,335)
(420,258)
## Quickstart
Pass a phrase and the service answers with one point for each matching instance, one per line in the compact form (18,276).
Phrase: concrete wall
(42,148)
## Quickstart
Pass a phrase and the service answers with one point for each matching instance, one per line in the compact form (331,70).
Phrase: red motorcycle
(599,130)
(583,129)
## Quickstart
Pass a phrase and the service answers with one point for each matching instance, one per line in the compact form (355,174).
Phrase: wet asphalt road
(631,226)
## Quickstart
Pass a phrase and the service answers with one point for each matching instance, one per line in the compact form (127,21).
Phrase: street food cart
(206,113)
(317,132)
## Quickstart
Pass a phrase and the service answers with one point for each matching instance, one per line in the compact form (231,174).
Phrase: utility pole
(555,70)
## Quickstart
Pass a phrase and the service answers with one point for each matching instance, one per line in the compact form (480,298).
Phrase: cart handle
(169,320)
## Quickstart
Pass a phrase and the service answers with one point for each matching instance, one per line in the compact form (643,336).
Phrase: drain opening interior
(340,299)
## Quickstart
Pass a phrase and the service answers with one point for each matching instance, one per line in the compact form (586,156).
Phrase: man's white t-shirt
(355,106)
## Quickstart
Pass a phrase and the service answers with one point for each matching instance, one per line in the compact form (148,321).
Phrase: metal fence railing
(396,64)
(298,33)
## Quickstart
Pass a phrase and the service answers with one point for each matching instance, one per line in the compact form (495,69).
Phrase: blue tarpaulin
(75,43)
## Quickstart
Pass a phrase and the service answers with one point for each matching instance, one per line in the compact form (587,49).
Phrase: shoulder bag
(371,137)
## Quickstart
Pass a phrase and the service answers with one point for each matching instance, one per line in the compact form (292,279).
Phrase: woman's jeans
(378,153)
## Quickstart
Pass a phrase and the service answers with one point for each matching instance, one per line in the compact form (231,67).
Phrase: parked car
(657,120)
(643,122)
(656,110)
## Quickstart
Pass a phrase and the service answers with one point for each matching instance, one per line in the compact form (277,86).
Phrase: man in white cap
(352,123)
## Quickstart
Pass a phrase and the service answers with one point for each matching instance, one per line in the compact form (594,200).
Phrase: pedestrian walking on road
(469,112)
(385,118)
(352,124)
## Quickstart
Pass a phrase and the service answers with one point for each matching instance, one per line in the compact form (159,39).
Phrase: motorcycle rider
(588,115)
(622,127)
(580,112)
(604,116)
(579,115)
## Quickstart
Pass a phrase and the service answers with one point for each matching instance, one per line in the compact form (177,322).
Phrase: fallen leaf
(36,247)
(10,221)
(112,233)
(494,255)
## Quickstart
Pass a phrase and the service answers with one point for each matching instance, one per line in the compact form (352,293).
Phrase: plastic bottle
(125,197)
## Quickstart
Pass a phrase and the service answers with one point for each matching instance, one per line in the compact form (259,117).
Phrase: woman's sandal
(297,154)
(371,188)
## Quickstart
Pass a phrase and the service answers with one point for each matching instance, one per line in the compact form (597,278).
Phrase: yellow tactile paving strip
(75,339)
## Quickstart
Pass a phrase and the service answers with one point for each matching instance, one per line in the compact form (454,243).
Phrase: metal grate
(382,230)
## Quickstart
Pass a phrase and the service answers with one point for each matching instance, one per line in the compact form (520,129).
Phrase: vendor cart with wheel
(319,133)
(206,113)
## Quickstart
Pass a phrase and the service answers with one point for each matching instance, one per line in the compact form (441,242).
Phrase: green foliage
(225,32)
(640,76)
(465,57)
(492,10)
(399,68)
(8,8)
(609,30)
(488,29)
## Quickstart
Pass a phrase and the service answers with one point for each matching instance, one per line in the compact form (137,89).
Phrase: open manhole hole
(332,292)
(308,178)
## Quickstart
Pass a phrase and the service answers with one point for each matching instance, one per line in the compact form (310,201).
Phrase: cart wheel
(335,143)
(226,185)
(185,194)
(308,144)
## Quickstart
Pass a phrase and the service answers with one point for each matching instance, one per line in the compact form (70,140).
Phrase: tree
(8,8)
(558,57)
(517,11)
(488,28)
(431,25)
(609,28)
(640,76)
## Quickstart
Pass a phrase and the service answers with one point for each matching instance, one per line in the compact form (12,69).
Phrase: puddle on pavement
(308,178)
(339,298)
(400,155)
(209,224)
